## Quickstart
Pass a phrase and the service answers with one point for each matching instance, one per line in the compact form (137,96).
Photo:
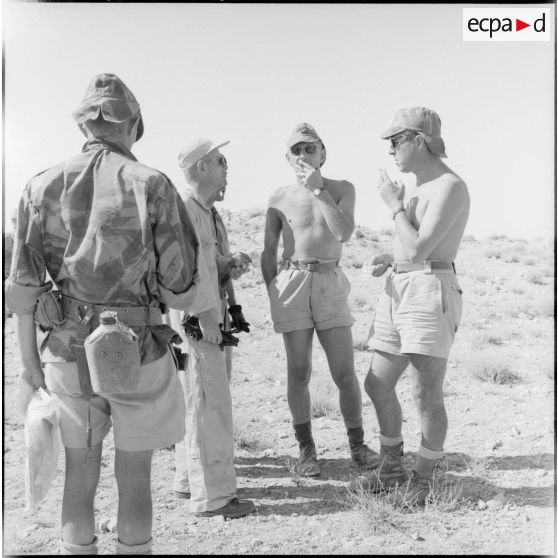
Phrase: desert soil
(497,485)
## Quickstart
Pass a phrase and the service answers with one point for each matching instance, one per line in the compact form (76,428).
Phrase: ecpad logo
(506,24)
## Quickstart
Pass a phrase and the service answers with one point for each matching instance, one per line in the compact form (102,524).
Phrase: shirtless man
(420,310)
(308,290)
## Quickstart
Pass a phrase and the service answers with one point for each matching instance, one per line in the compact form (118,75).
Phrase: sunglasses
(396,141)
(309,149)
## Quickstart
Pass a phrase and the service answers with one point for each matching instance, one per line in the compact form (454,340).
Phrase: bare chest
(299,210)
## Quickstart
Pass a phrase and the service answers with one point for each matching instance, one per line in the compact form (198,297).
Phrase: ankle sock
(144,548)
(69,548)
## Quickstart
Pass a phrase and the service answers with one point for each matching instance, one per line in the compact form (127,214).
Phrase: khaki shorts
(419,313)
(301,299)
(151,417)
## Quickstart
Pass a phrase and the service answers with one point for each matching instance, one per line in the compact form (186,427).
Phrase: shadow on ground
(328,492)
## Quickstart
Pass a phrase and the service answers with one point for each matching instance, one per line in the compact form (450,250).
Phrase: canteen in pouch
(113,356)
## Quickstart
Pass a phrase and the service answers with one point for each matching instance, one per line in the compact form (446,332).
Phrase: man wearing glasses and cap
(419,312)
(111,234)
(204,460)
(308,290)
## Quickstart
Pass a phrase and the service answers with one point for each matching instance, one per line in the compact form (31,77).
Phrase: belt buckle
(312,266)
(428,266)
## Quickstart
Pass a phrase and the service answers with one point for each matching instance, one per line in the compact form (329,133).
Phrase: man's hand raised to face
(307,175)
(392,192)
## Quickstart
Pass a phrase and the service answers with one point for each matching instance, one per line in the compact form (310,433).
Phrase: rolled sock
(430,454)
(69,548)
(387,441)
(144,548)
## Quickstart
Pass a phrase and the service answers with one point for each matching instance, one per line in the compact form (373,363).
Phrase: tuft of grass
(497,237)
(534,276)
(323,397)
(492,368)
(529,260)
(380,515)
(293,467)
(245,436)
(545,307)
(493,253)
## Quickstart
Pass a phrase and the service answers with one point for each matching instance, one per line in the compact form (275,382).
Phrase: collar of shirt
(191,193)
(112,146)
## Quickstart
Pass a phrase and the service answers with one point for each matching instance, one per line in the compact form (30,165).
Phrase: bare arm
(444,207)
(338,216)
(229,288)
(32,371)
(273,227)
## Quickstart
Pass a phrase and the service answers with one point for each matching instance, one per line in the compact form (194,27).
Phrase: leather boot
(389,474)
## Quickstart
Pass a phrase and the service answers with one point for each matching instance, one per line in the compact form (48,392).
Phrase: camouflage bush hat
(108,96)
(303,132)
(422,120)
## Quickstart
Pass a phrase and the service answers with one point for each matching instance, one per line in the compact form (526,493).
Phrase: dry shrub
(497,237)
(492,368)
(245,435)
(323,397)
(381,517)
(529,260)
(534,276)
(493,253)
(545,307)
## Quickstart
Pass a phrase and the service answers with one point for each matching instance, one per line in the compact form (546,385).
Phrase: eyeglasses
(396,141)
(309,149)
(221,161)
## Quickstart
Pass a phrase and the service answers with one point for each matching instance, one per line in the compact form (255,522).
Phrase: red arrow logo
(519,25)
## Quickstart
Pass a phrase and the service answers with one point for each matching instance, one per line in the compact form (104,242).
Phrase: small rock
(541,473)
(256,542)
(515,431)
(481,504)
(497,445)
(416,537)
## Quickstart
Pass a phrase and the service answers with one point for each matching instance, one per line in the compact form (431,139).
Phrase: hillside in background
(496,487)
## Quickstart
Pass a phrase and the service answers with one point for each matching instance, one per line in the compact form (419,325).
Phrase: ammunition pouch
(49,312)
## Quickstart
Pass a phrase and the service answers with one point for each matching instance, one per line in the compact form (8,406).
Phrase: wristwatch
(318,191)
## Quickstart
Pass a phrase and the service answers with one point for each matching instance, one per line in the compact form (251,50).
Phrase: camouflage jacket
(104,229)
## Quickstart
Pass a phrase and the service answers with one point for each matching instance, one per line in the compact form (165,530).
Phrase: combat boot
(412,493)
(389,474)
(361,454)
(307,460)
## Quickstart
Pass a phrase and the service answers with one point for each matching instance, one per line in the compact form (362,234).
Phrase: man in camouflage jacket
(98,231)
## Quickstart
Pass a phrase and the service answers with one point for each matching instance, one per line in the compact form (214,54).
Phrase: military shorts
(150,417)
(418,313)
(301,299)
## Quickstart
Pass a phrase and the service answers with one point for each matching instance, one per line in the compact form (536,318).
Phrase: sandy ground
(497,485)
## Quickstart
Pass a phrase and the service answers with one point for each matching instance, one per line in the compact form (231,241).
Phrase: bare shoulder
(341,186)
(452,185)
(279,195)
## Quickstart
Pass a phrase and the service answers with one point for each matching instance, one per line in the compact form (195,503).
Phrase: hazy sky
(249,73)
